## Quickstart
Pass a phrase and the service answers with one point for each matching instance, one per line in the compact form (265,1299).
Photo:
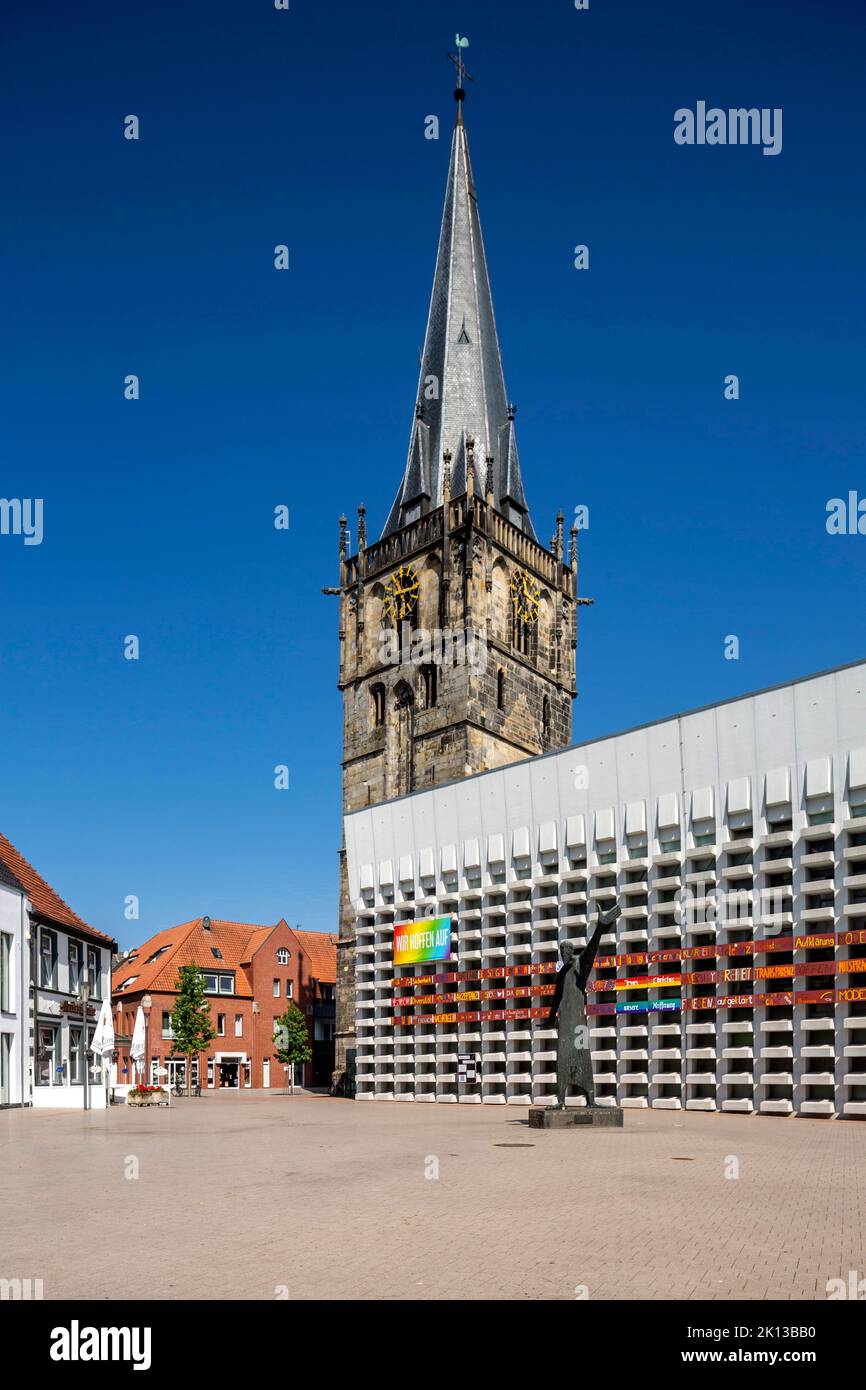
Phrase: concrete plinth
(546,1117)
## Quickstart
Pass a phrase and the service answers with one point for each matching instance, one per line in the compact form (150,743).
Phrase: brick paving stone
(238,1195)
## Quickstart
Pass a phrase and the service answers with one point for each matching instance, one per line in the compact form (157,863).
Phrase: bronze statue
(573,1058)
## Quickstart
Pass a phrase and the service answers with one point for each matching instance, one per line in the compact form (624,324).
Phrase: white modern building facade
(733,836)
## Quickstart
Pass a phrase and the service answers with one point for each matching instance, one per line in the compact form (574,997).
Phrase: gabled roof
(46,902)
(257,939)
(157,962)
(321,950)
(461,390)
(8,878)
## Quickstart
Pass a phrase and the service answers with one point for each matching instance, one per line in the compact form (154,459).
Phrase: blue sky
(259,127)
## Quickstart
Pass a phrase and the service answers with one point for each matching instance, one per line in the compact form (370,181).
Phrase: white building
(734,837)
(50,951)
(14,991)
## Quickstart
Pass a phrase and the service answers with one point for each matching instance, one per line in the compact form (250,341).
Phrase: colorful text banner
(416,943)
(643,982)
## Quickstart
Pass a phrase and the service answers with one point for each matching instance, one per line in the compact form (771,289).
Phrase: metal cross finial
(457,60)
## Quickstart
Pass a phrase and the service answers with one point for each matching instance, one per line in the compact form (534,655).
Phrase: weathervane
(457,60)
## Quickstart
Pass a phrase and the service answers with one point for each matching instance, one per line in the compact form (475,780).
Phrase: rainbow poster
(415,943)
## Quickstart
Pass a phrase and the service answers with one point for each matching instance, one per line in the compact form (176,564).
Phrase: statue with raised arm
(573,1058)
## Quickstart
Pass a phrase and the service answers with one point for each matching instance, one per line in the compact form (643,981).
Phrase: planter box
(150,1098)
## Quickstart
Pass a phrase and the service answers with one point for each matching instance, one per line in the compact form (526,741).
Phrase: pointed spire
(462,383)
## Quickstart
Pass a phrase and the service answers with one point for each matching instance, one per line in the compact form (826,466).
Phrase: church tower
(457,627)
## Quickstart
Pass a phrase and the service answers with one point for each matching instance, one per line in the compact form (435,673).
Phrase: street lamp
(146,1006)
(84,995)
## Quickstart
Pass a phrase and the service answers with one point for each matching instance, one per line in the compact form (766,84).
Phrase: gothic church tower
(458,556)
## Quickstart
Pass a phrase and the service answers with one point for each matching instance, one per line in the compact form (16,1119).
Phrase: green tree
(292,1041)
(190,1018)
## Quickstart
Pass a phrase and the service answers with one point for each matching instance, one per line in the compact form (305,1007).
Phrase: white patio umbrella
(103,1037)
(137,1047)
(102,1044)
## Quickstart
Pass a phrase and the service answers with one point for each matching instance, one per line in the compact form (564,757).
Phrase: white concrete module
(735,839)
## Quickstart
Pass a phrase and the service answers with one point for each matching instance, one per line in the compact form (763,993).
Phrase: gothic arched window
(428,686)
(524,635)
(377,705)
(403,738)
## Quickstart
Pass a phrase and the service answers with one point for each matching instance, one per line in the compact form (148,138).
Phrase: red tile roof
(43,897)
(321,948)
(257,939)
(190,944)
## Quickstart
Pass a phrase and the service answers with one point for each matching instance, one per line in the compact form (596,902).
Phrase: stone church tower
(457,627)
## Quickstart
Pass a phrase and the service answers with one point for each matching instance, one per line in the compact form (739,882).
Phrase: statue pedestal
(546,1117)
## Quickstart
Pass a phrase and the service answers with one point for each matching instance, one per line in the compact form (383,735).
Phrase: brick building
(253,973)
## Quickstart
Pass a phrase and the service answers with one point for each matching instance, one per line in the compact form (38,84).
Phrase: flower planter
(158,1096)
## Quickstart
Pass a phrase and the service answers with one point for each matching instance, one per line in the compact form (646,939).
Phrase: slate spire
(461,389)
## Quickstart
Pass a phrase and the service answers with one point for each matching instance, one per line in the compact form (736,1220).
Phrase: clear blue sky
(259,127)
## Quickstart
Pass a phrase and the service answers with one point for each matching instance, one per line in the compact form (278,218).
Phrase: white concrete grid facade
(752,812)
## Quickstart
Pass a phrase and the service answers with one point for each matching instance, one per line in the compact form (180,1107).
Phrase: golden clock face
(401,594)
(525,595)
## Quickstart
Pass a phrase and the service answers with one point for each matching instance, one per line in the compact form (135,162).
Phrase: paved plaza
(257,1196)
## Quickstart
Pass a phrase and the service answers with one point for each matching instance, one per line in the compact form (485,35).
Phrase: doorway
(5,1068)
(228,1074)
